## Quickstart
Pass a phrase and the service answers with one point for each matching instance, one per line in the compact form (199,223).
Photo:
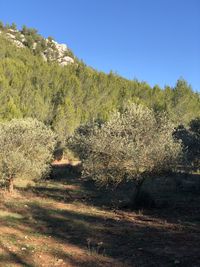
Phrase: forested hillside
(66,96)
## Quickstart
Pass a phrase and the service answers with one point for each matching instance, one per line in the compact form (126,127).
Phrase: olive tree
(26,150)
(132,145)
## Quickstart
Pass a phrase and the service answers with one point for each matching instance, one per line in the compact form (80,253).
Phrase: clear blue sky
(157,41)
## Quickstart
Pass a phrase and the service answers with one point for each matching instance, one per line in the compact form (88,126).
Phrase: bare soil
(66,221)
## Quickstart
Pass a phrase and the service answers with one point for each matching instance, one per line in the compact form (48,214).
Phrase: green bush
(26,149)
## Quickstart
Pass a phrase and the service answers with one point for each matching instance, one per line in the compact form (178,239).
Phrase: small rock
(59,262)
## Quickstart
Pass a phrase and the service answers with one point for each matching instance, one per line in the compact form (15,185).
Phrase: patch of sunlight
(8,214)
(23,182)
(90,210)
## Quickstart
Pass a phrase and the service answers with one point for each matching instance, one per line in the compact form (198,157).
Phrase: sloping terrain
(62,222)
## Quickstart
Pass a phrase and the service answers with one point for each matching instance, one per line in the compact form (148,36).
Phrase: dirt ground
(66,221)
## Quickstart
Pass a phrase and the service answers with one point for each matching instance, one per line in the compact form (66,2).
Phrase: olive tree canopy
(130,146)
(26,149)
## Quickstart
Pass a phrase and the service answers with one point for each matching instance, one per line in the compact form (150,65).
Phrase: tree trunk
(11,184)
(136,196)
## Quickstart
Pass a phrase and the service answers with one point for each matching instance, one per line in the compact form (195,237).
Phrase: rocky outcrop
(65,61)
(57,52)
(50,50)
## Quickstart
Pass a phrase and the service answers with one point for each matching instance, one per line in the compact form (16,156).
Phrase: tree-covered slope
(66,96)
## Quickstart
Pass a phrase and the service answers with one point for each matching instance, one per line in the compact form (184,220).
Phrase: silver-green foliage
(130,145)
(26,149)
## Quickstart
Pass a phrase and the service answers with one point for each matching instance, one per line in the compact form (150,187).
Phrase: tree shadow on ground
(170,192)
(157,237)
(82,189)
(12,257)
(139,240)
(175,197)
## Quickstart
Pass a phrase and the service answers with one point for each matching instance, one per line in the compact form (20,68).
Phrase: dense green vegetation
(65,97)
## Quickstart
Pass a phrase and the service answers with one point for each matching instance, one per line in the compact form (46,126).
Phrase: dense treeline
(65,97)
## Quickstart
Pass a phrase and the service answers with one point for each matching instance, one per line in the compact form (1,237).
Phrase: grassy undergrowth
(62,222)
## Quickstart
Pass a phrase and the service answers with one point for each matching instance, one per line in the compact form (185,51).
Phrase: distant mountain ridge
(49,49)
